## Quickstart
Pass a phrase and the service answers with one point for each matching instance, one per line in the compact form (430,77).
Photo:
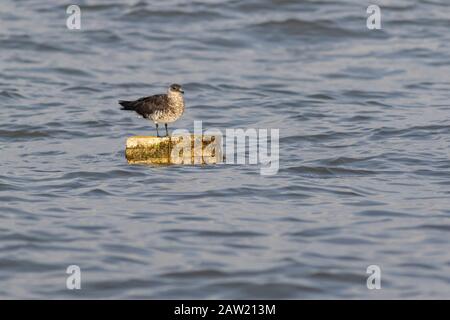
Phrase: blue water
(364,178)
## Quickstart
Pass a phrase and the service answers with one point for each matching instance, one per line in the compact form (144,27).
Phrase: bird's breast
(177,105)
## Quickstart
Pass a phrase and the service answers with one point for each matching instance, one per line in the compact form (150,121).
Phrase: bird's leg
(157,132)
(167,132)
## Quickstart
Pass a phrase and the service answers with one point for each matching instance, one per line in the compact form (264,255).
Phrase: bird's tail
(127,105)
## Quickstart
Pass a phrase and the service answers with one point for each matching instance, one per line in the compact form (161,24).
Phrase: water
(364,174)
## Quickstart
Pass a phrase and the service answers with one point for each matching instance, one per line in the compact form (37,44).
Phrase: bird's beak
(182,91)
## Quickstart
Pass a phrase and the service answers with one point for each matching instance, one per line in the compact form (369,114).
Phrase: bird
(160,108)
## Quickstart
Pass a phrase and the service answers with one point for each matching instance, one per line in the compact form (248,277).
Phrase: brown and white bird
(160,108)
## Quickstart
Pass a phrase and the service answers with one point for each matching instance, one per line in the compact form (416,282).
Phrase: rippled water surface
(364,178)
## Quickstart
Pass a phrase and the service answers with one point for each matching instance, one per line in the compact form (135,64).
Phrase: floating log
(179,149)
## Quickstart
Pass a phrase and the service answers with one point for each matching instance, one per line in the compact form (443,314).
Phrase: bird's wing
(148,105)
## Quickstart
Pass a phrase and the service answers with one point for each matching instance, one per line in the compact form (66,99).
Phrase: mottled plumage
(160,108)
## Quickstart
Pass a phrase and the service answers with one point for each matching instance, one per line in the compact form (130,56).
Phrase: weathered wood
(183,149)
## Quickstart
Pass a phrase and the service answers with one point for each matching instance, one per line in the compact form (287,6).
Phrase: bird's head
(175,88)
